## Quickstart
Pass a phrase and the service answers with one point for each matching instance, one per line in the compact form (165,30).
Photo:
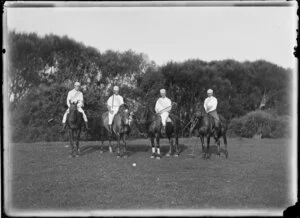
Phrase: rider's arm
(204,105)
(121,100)
(109,103)
(68,99)
(214,104)
(80,100)
(157,106)
(169,108)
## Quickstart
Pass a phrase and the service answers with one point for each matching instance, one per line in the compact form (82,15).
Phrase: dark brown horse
(74,123)
(205,125)
(120,128)
(152,126)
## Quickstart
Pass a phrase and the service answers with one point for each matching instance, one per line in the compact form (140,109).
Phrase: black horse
(120,128)
(74,123)
(205,124)
(152,126)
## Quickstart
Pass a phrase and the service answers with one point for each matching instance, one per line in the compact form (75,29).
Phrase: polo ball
(134,164)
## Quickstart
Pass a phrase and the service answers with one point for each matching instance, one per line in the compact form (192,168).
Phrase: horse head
(125,114)
(145,114)
(73,105)
(73,111)
(199,111)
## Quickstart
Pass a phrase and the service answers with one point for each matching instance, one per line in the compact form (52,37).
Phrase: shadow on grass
(213,150)
(131,149)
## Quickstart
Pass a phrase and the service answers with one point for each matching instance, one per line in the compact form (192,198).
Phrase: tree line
(43,69)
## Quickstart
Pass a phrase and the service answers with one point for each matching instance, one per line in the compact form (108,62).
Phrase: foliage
(260,122)
(43,69)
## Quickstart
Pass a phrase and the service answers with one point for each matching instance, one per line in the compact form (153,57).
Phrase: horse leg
(153,147)
(176,146)
(71,142)
(207,147)
(101,147)
(124,145)
(170,147)
(77,143)
(102,141)
(225,142)
(218,146)
(157,146)
(110,148)
(118,149)
(202,144)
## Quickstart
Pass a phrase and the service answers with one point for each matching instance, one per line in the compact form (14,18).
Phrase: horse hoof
(118,156)
(101,152)
(176,155)
(168,155)
(152,156)
(158,157)
(125,155)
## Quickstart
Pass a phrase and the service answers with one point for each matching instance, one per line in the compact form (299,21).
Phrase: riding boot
(63,128)
(110,129)
(86,126)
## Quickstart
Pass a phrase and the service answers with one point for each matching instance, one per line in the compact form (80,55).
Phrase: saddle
(171,118)
(80,114)
(213,121)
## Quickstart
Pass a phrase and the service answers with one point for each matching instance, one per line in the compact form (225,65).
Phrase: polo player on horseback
(75,96)
(163,107)
(210,106)
(113,104)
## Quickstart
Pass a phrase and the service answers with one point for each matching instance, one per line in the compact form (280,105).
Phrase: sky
(171,33)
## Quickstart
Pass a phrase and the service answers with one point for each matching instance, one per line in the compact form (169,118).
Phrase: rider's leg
(64,120)
(110,119)
(164,117)
(84,117)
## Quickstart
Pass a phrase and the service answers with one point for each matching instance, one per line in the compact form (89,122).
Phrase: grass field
(256,175)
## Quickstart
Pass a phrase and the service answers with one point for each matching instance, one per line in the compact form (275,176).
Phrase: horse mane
(122,108)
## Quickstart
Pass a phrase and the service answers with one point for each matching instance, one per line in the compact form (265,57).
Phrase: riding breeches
(215,115)
(79,110)
(112,115)
(164,117)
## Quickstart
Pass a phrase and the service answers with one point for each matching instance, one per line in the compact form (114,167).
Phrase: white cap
(210,91)
(116,88)
(162,91)
(77,84)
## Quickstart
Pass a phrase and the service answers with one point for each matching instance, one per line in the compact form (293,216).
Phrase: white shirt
(74,96)
(210,104)
(163,105)
(115,101)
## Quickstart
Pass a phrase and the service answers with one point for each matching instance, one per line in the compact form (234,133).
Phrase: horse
(204,123)
(74,123)
(120,128)
(152,123)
